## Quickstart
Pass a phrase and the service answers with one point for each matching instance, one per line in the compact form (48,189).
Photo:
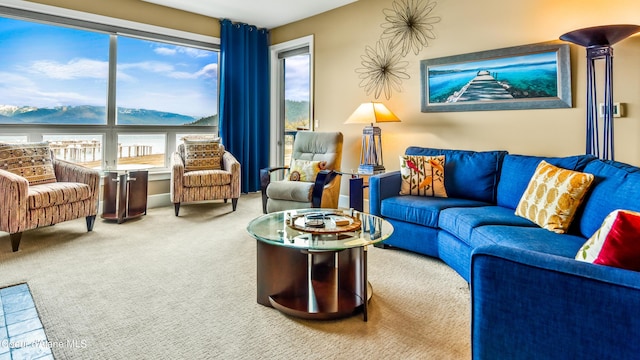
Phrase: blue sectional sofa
(530,298)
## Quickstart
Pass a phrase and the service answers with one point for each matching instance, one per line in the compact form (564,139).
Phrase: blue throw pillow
(468,174)
(517,171)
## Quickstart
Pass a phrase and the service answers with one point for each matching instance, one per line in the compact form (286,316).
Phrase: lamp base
(365,169)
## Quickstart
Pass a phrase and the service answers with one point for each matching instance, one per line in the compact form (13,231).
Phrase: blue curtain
(244,98)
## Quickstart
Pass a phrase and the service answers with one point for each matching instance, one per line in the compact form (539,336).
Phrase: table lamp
(598,41)
(371,151)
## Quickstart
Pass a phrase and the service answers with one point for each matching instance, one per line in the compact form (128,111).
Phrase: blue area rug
(21,333)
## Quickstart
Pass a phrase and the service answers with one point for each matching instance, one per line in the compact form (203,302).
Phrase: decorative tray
(324,223)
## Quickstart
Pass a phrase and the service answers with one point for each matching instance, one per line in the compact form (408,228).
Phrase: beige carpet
(166,287)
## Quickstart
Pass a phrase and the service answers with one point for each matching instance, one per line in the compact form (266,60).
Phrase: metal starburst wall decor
(409,27)
(382,70)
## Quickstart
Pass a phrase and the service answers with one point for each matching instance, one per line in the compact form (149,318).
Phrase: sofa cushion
(517,170)
(616,243)
(58,193)
(421,210)
(422,175)
(615,186)
(553,196)
(469,174)
(202,155)
(461,221)
(32,161)
(529,238)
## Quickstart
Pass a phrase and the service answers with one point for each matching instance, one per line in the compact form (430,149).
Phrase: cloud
(164,51)
(73,69)
(21,91)
(150,66)
(208,71)
(191,52)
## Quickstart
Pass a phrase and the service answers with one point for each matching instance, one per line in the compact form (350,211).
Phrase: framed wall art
(533,76)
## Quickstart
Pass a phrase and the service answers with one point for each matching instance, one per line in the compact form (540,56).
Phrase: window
(292,103)
(104,95)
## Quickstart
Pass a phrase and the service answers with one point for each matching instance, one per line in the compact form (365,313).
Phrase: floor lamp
(371,151)
(598,41)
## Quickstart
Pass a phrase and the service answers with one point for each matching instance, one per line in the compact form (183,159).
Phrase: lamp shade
(371,112)
(600,35)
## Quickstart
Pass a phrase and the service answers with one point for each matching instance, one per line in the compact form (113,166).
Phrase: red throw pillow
(622,245)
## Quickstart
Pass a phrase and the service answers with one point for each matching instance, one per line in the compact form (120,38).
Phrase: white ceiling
(261,13)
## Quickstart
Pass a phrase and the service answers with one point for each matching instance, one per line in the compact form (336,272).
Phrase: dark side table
(357,185)
(125,195)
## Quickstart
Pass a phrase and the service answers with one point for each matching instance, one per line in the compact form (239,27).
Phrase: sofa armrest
(383,186)
(13,194)
(530,305)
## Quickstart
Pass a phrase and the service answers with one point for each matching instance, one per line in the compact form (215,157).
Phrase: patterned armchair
(202,170)
(38,190)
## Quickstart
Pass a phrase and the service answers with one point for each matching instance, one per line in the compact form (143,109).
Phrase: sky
(46,66)
(297,78)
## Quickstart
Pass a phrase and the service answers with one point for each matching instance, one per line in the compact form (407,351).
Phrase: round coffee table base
(312,285)
(300,307)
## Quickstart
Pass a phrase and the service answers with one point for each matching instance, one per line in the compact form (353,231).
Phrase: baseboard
(158,200)
(153,201)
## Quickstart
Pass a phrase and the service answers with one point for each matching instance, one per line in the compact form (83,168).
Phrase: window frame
(51,15)
(277,93)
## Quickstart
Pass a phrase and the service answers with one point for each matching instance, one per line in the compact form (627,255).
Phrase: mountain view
(296,114)
(86,114)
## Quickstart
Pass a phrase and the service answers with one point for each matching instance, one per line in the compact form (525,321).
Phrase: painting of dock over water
(524,77)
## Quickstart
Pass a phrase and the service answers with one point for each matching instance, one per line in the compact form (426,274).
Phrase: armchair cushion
(202,155)
(299,191)
(59,193)
(206,178)
(32,161)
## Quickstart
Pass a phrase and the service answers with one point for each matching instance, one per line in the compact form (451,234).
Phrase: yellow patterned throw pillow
(552,196)
(422,175)
(32,161)
(202,155)
(306,170)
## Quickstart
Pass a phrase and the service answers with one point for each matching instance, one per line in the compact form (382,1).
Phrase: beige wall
(341,35)
(466,26)
(143,12)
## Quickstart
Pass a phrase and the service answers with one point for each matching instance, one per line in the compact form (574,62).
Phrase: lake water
(541,78)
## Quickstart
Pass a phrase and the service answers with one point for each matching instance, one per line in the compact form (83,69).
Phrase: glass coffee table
(312,263)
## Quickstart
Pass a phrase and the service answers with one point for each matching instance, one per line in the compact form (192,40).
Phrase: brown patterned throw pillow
(202,155)
(32,161)
(422,175)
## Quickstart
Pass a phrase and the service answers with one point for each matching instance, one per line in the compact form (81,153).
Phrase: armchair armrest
(383,186)
(265,179)
(69,172)
(527,304)
(231,164)
(324,178)
(13,192)
(177,172)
